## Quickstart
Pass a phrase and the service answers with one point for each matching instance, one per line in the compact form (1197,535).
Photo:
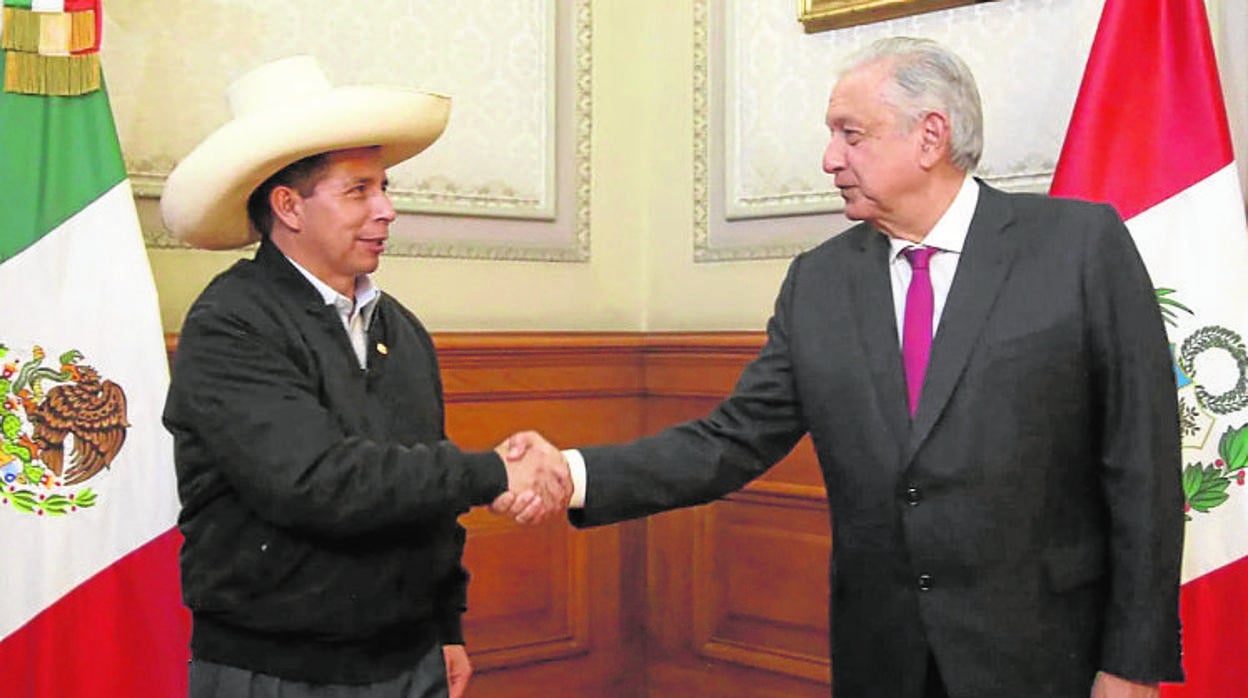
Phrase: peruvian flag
(89,595)
(1149,135)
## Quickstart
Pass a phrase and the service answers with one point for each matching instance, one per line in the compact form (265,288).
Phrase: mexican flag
(1149,135)
(89,595)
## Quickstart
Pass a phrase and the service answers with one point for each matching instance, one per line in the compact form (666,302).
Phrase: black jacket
(319,500)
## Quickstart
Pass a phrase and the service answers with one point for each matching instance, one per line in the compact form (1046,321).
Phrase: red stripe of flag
(1149,121)
(1215,631)
(97,640)
(89,6)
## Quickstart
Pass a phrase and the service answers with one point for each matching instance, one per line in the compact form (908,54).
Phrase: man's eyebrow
(363,179)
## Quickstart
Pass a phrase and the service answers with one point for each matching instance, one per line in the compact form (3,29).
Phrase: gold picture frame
(822,15)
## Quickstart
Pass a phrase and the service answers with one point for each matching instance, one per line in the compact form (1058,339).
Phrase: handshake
(539,482)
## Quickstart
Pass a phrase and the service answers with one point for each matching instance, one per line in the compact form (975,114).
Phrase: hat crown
(284,111)
(276,83)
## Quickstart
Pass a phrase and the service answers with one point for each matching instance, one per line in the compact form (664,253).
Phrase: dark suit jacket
(1026,527)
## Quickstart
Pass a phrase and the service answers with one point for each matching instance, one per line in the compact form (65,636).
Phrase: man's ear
(934,135)
(287,206)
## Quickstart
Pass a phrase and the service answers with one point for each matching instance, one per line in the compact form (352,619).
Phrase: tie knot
(918,257)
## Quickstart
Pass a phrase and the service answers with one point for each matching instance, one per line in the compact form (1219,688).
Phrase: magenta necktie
(916,336)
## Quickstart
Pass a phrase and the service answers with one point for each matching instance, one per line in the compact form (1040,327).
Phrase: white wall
(642,274)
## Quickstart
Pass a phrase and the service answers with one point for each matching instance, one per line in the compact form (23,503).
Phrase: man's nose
(385,208)
(833,159)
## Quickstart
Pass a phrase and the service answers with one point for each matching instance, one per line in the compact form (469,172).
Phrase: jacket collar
(278,270)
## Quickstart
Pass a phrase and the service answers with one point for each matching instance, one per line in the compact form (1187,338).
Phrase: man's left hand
(458,669)
(1110,686)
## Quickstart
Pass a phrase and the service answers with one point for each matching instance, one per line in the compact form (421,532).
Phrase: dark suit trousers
(210,680)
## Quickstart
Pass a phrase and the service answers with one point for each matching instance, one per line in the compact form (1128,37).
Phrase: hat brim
(204,202)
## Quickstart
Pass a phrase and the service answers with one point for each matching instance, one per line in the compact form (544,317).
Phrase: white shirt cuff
(576,466)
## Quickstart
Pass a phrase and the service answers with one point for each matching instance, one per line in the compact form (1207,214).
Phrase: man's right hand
(539,483)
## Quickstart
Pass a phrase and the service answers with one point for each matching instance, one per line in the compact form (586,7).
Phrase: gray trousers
(210,680)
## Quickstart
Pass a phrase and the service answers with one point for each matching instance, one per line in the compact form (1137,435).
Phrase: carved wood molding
(766,634)
(526,607)
(500,366)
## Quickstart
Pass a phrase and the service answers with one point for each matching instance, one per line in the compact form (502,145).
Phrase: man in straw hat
(319,491)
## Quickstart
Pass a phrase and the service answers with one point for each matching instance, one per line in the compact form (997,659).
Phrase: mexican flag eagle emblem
(46,413)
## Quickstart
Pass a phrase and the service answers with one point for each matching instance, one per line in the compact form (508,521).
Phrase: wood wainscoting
(728,600)
(549,606)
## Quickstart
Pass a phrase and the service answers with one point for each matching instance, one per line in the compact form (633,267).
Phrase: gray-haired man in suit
(986,380)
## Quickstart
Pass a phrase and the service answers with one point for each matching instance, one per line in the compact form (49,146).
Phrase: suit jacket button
(913,496)
(925,582)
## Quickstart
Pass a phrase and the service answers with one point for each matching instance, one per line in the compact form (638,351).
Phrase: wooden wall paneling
(698,365)
(529,596)
(761,583)
(738,589)
(547,366)
(548,606)
(686,374)
(612,665)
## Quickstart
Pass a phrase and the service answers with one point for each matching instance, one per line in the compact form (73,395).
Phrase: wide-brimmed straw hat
(282,112)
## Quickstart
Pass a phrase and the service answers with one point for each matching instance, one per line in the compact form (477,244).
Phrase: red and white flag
(1149,135)
(89,596)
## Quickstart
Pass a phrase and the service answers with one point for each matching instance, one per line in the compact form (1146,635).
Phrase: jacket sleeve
(702,460)
(256,411)
(452,601)
(1140,457)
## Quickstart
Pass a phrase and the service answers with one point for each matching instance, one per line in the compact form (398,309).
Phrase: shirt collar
(949,233)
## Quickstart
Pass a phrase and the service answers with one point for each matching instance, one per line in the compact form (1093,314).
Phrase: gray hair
(929,77)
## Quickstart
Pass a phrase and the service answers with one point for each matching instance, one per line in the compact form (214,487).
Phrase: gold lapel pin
(382,349)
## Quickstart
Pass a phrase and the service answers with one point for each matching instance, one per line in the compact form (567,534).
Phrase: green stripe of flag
(24,4)
(58,155)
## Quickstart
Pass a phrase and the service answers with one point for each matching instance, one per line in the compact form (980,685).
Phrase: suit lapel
(983,267)
(872,295)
